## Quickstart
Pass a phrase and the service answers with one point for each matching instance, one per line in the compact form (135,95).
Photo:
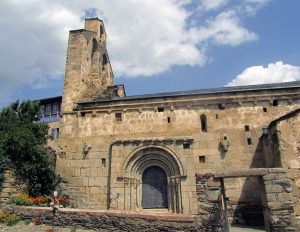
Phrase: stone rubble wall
(111,220)
(278,203)
(10,186)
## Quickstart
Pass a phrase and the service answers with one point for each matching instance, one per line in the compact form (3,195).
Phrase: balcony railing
(55,117)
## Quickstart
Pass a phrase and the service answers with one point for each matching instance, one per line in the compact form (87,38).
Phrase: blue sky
(154,46)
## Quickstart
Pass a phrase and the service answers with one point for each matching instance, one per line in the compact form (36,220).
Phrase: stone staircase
(79,199)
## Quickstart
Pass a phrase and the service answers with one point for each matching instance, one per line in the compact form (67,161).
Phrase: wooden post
(224,207)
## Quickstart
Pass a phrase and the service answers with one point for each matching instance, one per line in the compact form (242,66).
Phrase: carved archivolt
(145,157)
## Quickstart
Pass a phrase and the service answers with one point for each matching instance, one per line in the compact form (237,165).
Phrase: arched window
(104,60)
(95,47)
(203,123)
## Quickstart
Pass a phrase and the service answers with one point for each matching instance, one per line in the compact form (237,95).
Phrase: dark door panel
(155,192)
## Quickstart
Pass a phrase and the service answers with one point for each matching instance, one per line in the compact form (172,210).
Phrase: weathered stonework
(108,141)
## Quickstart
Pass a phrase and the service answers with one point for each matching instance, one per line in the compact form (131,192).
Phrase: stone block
(91,181)
(77,172)
(284,197)
(272,197)
(94,172)
(85,181)
(274,189)
(297,209)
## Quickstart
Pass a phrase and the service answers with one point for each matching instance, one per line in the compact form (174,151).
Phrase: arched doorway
(154,188)
(157,174)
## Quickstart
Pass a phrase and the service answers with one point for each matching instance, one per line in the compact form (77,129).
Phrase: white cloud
(225,29)
(273,73)
(208,5)
(144,37)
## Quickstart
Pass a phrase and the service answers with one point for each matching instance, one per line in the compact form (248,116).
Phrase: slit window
(265,109)
(247,128)
(118,117)
(103,162)
(249,141)
(275,103)
(203,120)
(202,159)
(169,119)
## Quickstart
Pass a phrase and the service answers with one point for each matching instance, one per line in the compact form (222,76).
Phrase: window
(217,116)
(48,109)
(247,128)
(104,60)
(118,117)
(186,146)
(54,133)
(169,119)
(82,114)
(249,141)
(55,108)
(202,159)
(42,109)
(203,123)
(265,109)
(221,106)
(103,161)
(275,103)
(160,109)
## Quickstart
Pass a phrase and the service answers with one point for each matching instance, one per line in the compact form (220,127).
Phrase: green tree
(23,147)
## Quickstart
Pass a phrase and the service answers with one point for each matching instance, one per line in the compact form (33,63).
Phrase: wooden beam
(253,172)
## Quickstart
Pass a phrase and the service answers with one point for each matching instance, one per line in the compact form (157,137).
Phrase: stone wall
(10,186)
(282,144)
(278,202)
(163,122)
(112,220)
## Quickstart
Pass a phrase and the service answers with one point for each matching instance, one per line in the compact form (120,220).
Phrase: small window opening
(186,146)
(217,116)
(54,133)
(82,114)
(202,159)
(104,60)
(169,119)
(103,161)
(265,109)
(160,109)
(203,120)
(221,106)
(101,30)
(249,141)
(275,102)
(118,117)
(247,128)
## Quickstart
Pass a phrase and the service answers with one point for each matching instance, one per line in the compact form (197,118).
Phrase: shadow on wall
(248,209)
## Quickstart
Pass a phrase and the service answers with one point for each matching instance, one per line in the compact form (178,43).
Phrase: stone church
(173,151)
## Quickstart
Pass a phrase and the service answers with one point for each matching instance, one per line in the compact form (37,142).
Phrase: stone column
(278,205)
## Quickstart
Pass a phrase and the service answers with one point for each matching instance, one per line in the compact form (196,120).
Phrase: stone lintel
(243,173)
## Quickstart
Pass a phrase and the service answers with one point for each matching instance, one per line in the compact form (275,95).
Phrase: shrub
(23,147)
(21,199)
(9,219)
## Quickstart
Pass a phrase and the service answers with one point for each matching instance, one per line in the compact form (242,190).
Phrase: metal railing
(49,118)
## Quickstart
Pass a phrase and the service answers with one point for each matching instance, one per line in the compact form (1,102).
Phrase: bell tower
(88,74)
